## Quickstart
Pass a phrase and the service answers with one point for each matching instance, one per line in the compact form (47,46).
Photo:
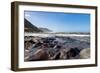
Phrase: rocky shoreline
(39,48)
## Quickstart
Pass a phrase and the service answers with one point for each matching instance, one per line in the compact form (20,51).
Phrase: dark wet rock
(37,44)
(72,52)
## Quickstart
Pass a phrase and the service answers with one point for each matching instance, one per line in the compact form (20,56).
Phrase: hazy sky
(60,22)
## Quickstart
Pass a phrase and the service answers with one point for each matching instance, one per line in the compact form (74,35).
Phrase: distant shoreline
(60,32)
(55,34)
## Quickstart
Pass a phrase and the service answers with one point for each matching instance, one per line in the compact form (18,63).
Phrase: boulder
(40,54)
(85,53)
